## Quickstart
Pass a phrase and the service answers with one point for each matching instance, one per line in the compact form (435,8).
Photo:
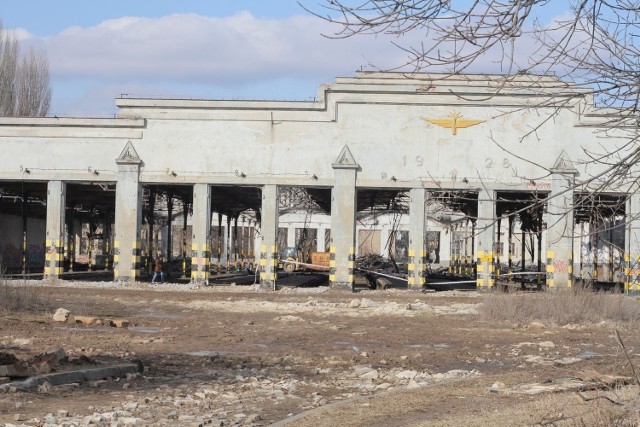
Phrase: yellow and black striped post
(54,259)
(136,258)
(200,263)
(550,270)
(268,267)
(416,270)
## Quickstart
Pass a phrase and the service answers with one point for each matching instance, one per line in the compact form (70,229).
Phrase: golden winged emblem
(454,122)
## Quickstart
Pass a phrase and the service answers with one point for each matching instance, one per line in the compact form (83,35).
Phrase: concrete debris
(88,320)
(586,380)
(40,364)
(61,315)
(240,392)
(95,321)
(45,381)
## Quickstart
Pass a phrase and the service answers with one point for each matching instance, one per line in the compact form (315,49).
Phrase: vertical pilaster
(417,247)
(291,236)
(485,232)
(269,230)
(54,244)
(559,218)
(632,244)
(127,245)
(343,220)
(201,229)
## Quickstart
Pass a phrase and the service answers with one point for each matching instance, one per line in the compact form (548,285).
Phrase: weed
(562,307)
(16,296)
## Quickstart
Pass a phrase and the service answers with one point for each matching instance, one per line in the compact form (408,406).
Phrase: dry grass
(15,296)
(563,307)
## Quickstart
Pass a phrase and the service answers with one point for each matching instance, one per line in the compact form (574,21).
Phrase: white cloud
(188,47)
(191,55)
(205,54)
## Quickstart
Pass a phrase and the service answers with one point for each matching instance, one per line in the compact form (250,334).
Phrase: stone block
(61,315)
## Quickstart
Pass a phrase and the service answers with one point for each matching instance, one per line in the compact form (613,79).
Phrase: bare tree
(24,79)
(594,43)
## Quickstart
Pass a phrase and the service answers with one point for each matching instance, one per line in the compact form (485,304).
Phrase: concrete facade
(381,131)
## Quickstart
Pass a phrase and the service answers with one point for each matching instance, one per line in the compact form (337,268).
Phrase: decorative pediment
(128,156)
(564,164)
(345,160)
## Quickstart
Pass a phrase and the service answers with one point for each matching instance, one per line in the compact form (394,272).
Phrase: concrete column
(632,244)
(229,242)
(343,221)
(291,235)
(257,243)
(417,244)
(559,220)
(320,243)
(485,233)
(201,229)
(54,244)
(269,229)
(127,245)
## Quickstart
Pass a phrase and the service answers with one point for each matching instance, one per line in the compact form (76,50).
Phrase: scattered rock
(119,323)
(88,320)
(61,315)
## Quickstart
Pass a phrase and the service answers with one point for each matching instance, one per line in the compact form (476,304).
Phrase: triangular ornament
(345,160)
(128,156)
(564,164)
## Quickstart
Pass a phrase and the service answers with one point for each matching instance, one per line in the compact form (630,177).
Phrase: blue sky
(213,49)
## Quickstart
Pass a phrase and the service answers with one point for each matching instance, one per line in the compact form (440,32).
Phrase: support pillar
(54,244)
(485,232)
(269,231)
(560,224)
(632,245)
(127,245)
(417,248)
(201,229)
(343,222)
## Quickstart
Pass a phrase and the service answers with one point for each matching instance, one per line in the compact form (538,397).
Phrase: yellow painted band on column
(274,248)
(550,254)
(410,281)
(350,278)
(411,252)
(263,262)
(332,249)
(137,244)
(423,253)
(352,250)
(332,263)
(194,246)
(332,277)
(263,248)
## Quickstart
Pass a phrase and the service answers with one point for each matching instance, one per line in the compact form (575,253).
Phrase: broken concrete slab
(590,380)
(40,364)
(77,376)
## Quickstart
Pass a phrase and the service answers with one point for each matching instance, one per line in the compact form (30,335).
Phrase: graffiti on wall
(12,256)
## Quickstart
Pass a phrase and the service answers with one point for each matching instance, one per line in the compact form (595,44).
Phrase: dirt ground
(238,355)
